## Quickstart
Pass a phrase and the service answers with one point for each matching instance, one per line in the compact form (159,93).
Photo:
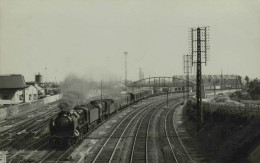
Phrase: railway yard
(129,81)
(142,132)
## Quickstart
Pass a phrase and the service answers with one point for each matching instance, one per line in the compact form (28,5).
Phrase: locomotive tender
(69,126)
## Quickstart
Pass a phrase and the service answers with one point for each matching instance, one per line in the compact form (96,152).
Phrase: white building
(13,90)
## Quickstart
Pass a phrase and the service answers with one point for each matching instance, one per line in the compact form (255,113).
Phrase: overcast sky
(89,38)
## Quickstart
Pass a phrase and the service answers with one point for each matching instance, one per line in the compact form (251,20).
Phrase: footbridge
(160,82)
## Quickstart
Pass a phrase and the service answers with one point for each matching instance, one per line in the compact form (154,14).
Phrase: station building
(13,90)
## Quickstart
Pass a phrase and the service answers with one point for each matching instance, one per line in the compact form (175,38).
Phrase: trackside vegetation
(226,136)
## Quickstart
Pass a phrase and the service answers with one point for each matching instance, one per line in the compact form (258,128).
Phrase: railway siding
(139,139)
(147,113)
(110,149)
(185,138)
(25,133)
(155,154)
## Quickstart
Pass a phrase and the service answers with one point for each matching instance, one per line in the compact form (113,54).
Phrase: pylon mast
(199,51)
(198,78)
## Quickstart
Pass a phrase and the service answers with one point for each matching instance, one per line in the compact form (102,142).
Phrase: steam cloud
(76,90)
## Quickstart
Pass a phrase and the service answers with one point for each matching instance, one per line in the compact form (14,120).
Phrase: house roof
(35,85)
(12,81)
(30,83)
(38,87)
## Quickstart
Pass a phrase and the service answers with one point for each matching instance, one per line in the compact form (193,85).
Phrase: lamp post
(45,75)
(101,90)
(125,53)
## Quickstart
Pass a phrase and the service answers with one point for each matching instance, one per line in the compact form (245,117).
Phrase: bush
(225,135)
(220,99)
(239,95)
(191,111)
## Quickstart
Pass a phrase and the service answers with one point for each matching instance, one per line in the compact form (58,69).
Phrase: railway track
(23,154)
(19,121)
(32,129)
(25,122)
(178,150)
(139,151)
(54,155)
(27,137)
(109,152)
(24,136)
(123,146)
(41,151)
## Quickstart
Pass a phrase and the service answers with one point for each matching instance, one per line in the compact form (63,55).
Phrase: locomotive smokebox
(64,126)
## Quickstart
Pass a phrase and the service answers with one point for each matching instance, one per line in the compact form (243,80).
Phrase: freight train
(70,126)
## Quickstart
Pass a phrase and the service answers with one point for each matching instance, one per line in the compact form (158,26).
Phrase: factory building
(13,90)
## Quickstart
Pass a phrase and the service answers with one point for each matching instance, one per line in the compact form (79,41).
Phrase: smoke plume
(76,90)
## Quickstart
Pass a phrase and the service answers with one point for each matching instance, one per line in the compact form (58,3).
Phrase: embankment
(226,136)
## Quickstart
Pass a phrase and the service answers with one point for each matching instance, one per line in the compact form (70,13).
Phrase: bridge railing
(159,82)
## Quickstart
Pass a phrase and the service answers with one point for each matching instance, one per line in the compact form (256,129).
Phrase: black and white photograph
(130,81)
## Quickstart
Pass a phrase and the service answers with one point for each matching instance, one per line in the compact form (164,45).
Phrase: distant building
(216,81)
(39,78)
(31,93)
(13,90)
(41,91)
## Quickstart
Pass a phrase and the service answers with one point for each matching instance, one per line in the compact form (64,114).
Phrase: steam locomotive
(69,126)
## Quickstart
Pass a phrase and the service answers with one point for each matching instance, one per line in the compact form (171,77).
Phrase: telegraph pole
(221,81)
(167,97)
(236,82)
(46,80)
(198,78)
(101,90)
(214,88)
(183,90)
(126,69)
(199,50)
(125,53)
(187,71)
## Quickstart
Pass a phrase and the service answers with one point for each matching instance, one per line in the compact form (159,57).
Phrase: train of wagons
(69,126)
